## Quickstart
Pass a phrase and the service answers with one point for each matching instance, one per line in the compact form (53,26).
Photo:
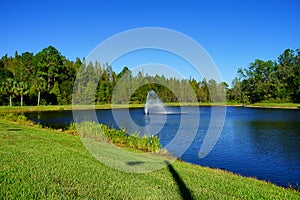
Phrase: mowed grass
(18,109)
(276,105)
(47,164)
(14,109)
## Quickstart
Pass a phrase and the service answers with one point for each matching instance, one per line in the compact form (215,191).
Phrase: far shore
(120,106)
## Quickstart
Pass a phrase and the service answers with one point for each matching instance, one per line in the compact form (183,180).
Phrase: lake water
(255,142)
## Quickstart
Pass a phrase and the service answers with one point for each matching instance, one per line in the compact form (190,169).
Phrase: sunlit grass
(116,106)
(47,164)
(65,107)
(277,105)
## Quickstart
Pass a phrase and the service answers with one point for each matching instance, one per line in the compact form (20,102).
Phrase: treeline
(45,78)
(102,85)
(269,81)
(48,78)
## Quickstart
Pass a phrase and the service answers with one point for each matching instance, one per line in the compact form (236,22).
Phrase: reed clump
(104,133)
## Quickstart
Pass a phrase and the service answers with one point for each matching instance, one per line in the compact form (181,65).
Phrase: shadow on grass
(135,163)
(184,191)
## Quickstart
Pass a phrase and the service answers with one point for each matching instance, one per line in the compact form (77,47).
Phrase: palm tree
(9,89)
(22,89)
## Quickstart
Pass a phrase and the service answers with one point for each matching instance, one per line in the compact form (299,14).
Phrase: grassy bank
(16,109)
(205,104)
(109,106)
(6,109)
(40,163)
(276,105)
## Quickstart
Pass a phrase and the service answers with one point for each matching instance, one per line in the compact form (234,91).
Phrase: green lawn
(5,109)
(109,106)
(277,105)
(46,164)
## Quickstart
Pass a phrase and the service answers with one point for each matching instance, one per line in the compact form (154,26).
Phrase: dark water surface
(256,142)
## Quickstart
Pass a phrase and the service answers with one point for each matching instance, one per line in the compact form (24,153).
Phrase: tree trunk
(10,101)
(39,97)
(49,79)
(21,100)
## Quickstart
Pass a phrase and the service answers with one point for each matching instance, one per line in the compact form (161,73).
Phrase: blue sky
(233,32)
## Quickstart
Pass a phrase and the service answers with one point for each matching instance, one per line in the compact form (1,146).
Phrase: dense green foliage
(48,78)
(46,164)
(44,78)
(269,81)
(125,88)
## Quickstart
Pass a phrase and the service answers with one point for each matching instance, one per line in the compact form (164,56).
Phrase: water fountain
(154,104)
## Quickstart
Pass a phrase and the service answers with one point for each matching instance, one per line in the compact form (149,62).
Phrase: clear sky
(233,32)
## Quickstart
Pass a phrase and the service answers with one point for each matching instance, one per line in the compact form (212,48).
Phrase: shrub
(143,143)
(132,141)
(90,130)
(154,144)
(101,132)
(16,118)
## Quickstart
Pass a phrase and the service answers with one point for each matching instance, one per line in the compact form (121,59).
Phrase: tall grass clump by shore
(16,118)
(119,137)
(22,119)
(99,132)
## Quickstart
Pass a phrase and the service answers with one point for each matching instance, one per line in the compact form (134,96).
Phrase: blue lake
(255,142)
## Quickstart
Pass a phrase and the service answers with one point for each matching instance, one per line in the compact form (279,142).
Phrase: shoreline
(19,109)
(273,107)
